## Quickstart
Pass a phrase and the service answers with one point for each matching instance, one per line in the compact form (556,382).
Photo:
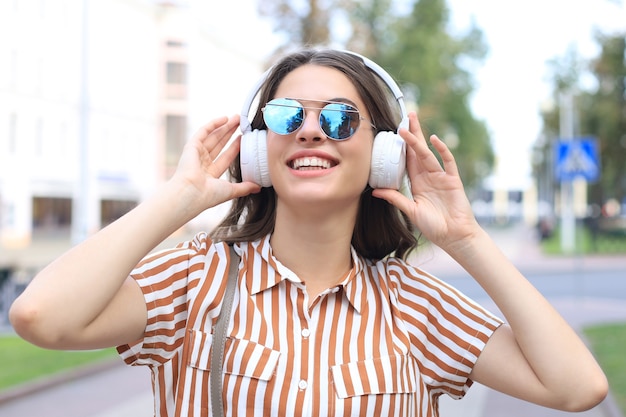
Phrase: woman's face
(333,171)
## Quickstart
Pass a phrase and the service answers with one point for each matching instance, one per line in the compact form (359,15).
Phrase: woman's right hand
(84,299)
(205,158)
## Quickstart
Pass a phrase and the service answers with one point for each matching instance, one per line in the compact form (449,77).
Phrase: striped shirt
(388,340)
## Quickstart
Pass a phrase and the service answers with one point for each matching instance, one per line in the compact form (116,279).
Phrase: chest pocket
(241,357)
(386,375)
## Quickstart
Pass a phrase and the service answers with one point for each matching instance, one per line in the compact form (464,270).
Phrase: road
(585,290)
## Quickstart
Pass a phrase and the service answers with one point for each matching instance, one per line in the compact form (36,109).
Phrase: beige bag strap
(219,337)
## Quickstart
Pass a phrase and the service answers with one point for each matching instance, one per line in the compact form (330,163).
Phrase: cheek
(362,156)
(367,145)
(366,159)
(275,145)
(275,150)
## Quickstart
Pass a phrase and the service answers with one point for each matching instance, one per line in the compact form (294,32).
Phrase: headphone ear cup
(388,161)
(253,158)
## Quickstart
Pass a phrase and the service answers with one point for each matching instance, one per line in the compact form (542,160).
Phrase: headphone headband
(246,126)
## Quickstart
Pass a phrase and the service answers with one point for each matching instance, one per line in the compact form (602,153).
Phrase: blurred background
(97,98)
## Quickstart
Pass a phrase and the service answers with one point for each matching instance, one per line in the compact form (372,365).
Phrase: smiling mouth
(310,163)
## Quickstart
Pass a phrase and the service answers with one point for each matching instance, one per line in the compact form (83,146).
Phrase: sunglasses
(338,121)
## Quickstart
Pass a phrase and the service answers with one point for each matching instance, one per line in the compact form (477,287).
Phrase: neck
(315,247)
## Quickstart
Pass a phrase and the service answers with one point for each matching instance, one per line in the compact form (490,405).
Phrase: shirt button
(302,384)
(305,333)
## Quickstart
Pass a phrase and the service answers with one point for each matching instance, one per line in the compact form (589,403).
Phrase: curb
(28,388)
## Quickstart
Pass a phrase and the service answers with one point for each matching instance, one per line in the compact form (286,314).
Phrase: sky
(512,83)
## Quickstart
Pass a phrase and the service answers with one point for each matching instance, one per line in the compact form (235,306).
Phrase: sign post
(574,158)
(577,158)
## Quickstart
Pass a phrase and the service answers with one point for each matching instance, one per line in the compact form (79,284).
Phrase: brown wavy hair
(380,229)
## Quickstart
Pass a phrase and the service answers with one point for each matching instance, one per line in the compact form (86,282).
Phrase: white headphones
(388,154)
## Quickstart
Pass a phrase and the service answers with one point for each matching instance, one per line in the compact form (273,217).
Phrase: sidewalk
(520,245)
(485,402)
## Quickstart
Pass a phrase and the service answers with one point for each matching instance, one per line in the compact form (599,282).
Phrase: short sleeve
(167,279)
(448,330)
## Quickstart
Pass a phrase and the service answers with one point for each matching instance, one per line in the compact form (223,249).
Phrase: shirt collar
(261,251)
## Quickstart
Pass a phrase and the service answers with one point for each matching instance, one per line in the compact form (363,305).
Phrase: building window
(111,210)
(176,73)
(52,214)
(171,43)
(175,137)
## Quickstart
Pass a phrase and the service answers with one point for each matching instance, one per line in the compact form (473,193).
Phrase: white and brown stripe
(389,340)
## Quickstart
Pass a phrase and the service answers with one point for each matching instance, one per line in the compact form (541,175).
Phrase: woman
(328,317)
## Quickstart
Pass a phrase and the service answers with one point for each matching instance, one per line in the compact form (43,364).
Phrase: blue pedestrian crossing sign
(577,158)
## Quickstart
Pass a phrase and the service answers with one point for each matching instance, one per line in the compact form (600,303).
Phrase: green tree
(370,23)
(303,23)
(564,72)
(604,117)
(600,112)
(430,64)
(425,55)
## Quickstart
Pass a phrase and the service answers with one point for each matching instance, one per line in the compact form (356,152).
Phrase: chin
(320,194)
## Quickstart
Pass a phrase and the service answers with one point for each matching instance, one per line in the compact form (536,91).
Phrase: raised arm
(84,299)
(536,356)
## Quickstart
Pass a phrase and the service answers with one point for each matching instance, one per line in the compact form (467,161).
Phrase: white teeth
(310,162)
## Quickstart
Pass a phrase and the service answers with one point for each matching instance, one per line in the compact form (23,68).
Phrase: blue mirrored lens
(339,121)
(283,115)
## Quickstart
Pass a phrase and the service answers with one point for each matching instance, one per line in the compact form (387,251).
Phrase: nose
(311,131)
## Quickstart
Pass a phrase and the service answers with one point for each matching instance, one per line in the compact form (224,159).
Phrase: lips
(311,163)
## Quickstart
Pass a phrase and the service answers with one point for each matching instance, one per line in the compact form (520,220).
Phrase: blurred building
(97,98)
(503,199)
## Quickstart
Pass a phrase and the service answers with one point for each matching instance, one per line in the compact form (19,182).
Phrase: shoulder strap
(219,337)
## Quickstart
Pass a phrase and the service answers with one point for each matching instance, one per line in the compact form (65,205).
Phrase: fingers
(421,156)
(215,135)
(227,156)
(395,198)
(418,152)
(242,189)
(449,163)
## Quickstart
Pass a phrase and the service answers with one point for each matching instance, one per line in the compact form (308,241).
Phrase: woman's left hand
(439,207)
(536,356)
